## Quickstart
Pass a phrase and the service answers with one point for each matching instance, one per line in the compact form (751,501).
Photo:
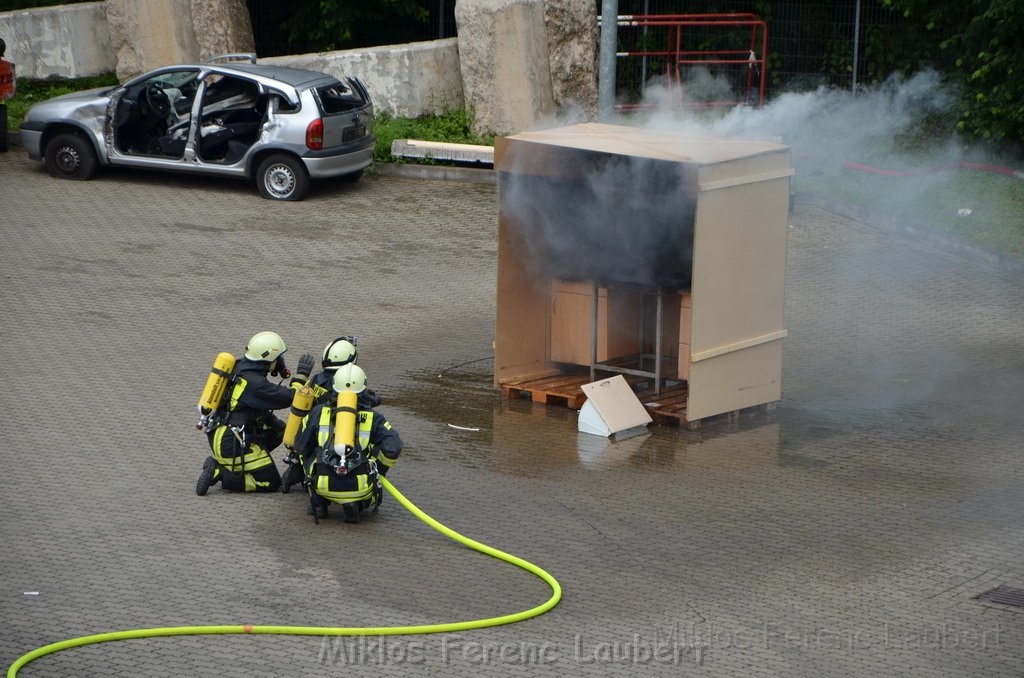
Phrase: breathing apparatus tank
(302,403)
(216,383)
(216,386)
(345,427)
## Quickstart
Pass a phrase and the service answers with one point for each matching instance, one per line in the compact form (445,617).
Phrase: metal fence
(841,44)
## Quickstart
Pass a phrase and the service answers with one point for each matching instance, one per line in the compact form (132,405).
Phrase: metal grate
(1003,595)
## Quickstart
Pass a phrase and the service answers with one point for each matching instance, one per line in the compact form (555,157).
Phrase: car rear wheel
(282,177)
(70,156)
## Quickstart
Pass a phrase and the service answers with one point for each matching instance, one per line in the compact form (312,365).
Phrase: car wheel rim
(68,159)
(280,181)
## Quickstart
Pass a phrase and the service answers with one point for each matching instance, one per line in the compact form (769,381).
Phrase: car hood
(66,104)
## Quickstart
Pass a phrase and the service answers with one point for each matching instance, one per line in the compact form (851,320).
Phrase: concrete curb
(436,172)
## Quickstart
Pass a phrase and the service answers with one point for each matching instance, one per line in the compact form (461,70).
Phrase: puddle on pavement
(483,429)
(460,417)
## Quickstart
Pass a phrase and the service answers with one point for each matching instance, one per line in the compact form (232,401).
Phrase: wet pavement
(847,533)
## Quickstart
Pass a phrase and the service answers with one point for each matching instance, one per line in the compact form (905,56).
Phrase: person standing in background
(6,92)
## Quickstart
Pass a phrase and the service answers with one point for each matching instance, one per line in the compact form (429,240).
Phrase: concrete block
(69,41)
(222,27)
(435,150)
(572,34)
(147,35)
(158,33)
(407,81)
(503,56)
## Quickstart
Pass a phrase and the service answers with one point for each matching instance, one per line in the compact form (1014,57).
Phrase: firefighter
(338,353)
(350,478)
(246,430)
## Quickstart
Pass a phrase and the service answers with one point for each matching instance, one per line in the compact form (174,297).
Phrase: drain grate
(1004,595)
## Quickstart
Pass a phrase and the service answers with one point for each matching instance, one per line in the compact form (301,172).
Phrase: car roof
(296,77)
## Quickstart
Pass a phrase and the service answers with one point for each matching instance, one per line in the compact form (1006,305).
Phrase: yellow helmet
(265,346)
(340,351)
(350,378)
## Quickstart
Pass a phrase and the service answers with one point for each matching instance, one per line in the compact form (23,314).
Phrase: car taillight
(315,135)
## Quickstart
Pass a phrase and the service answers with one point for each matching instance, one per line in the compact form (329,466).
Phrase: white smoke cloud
(826,120)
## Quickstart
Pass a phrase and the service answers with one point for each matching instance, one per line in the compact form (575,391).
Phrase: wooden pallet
(667,407)
(560,388)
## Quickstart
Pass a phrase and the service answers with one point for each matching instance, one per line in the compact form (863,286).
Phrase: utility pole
(606,60)
(856,45)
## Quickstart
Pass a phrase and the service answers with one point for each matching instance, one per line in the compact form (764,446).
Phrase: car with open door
(228,116)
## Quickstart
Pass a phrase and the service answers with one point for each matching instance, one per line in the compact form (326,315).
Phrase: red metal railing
(677,58)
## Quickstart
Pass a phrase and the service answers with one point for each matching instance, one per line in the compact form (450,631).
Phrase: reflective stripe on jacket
(364,489)
(252,460)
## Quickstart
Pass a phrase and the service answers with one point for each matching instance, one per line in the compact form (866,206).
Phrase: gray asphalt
(847,533)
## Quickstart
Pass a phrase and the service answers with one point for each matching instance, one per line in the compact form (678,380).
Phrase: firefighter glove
(306,362)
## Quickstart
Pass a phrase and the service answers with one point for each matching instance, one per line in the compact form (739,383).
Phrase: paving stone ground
(846,534)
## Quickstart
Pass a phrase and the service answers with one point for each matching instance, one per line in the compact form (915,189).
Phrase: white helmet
(265,346)
(341,351)
(350,378)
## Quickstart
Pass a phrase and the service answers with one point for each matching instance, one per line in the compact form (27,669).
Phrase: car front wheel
(282,177)
(70,156)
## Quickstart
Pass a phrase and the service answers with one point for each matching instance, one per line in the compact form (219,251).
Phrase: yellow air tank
(216,383)
(302,403)
(345,423)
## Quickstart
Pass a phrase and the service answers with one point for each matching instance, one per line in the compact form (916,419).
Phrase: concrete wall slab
(69,41)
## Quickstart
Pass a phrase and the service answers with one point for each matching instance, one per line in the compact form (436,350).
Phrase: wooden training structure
(643,253)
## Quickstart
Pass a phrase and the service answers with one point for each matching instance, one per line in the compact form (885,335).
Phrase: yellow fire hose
(556,595)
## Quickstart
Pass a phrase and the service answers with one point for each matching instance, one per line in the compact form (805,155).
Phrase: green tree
(977,46)
(301,26)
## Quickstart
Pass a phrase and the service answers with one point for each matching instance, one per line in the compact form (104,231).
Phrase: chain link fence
(839,44)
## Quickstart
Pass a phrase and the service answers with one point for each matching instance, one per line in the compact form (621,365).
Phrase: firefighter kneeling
(237,416)
(343,446)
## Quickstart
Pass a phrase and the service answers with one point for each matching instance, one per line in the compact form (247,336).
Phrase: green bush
(451,127)
(976,45)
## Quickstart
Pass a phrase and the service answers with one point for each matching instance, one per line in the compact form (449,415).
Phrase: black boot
(350,512)
(210,476)
(316,510)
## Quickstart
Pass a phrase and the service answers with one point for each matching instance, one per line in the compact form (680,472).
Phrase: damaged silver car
(228,116)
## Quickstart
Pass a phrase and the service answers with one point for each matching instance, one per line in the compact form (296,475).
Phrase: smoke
(886,126)
(624,219)
(592,216)
(613,219)
(885,352)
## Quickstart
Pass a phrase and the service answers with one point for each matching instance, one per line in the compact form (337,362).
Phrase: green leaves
(977,42)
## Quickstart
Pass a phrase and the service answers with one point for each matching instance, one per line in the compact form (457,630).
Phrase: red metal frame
(676,57)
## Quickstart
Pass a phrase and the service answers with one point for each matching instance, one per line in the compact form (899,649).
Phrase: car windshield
(178,78)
